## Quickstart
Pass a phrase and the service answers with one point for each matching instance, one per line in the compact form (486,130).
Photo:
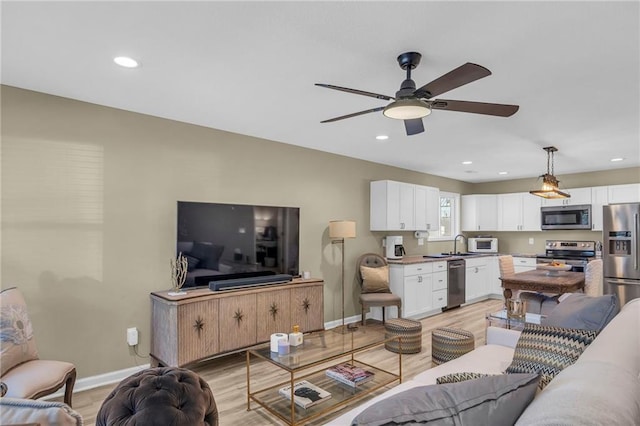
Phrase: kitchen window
(449,216)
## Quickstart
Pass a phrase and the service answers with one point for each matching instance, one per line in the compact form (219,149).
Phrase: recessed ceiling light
(617,159)
(382,137)
(125,61)
(467,162)
(503,173)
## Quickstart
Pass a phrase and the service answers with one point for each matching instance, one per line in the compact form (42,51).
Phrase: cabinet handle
(419,278)
(476,271)
(402,226)
(273,310)
(306,305)
(238,316)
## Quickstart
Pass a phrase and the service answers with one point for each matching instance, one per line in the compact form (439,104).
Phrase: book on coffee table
(349,374)
(305,394)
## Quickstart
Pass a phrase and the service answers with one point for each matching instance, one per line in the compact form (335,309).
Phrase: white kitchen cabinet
(578,196)
(479,212)
(392,206)
(628,193)
(493,272)
(418,286)
(476,278)
(427,209)
(599,198)
(518,211)
(522,264)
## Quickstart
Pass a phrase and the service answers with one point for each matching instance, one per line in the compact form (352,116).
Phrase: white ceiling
(250,68)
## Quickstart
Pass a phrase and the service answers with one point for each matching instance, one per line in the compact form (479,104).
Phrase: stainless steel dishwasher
(456,278)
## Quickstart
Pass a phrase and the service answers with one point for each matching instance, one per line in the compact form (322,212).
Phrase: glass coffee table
(501,319)
(320,351)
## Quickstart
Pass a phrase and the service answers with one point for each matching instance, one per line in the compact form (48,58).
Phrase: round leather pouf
(408,330)
(157,397)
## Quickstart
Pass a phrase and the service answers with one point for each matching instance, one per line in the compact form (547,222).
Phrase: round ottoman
(160,396)
(450,343)
(409,330)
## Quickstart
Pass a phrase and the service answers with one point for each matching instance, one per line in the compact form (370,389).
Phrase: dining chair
(373,275)
(593,285)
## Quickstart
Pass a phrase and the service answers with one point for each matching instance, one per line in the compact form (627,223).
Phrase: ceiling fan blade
(501,110)
(458,77)
(414,126)
(355,114)
(356,92)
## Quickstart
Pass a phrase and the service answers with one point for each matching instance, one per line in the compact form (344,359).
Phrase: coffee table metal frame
(320,351)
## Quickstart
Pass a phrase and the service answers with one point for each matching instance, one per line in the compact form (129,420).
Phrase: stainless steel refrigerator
(620,251)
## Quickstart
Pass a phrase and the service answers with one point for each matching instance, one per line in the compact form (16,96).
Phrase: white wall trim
(91,382)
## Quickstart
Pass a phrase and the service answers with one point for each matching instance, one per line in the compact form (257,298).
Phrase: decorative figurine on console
(178,275)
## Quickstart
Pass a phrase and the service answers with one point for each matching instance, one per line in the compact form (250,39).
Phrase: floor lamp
(338,231)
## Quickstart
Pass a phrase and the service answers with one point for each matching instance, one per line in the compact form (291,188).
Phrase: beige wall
(89,214)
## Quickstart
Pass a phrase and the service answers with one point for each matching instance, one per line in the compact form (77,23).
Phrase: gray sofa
(601,388)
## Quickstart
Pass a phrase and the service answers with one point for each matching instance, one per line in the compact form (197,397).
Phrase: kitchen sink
(437,256)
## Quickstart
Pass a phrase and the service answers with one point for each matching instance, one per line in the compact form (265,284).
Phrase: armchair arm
(502,336)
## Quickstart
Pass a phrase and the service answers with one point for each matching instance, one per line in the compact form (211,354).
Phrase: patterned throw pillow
(459,377)
(375,280)
(547,350)
(16,331)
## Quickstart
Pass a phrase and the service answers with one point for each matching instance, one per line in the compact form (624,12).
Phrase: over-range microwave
(482,245)
(566,217)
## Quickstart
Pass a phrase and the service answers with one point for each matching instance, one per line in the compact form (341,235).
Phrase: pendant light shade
(550,183)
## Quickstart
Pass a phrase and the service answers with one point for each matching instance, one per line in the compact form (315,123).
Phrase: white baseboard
(91,382)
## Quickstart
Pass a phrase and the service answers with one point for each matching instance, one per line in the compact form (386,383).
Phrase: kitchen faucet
(455,240)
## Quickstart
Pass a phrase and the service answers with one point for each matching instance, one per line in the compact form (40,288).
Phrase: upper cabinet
(629,193)
(399,206)
(479,212)
(427,214)
(578,196)
(392,206)
(518,211)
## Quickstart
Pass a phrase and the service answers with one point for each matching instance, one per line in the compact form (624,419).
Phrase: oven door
(566,217)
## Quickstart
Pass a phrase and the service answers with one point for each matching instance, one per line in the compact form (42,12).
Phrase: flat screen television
(227,241)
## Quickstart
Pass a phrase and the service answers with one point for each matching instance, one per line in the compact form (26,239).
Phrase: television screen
(225,241)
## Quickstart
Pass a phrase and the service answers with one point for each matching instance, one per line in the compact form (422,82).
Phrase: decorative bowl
(553,269)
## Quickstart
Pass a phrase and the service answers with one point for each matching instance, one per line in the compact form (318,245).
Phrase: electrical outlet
(530,241)
(132,336)
(384,242)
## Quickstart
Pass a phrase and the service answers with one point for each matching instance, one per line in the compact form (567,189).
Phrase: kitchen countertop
(419,258)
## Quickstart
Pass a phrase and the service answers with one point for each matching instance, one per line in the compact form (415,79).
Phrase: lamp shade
(342,229)
(407,109)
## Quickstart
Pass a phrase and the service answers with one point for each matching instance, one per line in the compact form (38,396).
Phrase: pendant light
(549,181)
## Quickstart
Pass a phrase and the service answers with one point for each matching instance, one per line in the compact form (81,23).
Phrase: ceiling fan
(411,104)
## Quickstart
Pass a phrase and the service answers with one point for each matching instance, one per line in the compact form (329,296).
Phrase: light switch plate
(531,241)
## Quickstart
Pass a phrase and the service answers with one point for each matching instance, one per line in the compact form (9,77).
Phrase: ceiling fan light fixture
(407,109)
(550,184)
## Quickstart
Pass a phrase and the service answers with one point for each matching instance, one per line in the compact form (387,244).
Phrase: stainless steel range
(574,253)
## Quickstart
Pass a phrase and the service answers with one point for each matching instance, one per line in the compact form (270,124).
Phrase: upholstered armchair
(373,274)
(22,371)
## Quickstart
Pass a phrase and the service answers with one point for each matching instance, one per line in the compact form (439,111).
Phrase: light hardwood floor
(227,375)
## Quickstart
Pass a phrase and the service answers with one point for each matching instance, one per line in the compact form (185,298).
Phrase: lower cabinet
(203,324)
(421,286)
(476,278)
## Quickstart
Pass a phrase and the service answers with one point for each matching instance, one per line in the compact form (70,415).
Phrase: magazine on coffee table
(305,394)
(349,374)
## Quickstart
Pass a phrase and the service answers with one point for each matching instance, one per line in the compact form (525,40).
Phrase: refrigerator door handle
(636,242)
(621,281)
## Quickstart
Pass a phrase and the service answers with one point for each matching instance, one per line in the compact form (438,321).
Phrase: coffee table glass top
(502,315)
(321,346)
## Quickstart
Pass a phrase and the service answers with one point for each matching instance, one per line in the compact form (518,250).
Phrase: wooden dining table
(541,281)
